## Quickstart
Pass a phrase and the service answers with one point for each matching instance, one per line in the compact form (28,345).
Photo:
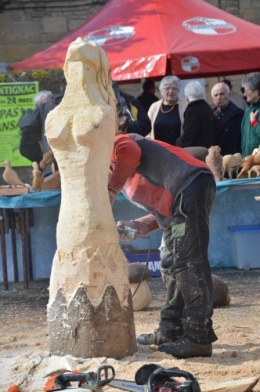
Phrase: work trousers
(185,267)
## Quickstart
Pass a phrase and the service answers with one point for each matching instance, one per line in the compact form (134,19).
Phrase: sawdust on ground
(24,357)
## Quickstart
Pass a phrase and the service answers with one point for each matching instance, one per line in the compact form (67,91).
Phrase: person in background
(228,118)
(199,121)
(131,114)
(31,130)
(148,97)
(239,101)
(42,97)
(36,124)
(167,114)
(177,191)
(250,126)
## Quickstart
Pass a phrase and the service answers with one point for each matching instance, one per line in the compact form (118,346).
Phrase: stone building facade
(29,26)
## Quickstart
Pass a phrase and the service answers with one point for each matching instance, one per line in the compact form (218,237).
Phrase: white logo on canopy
(111,35)
(190,64)
(208,26)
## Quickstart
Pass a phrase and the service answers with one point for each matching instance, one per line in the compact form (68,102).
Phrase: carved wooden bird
(10,176)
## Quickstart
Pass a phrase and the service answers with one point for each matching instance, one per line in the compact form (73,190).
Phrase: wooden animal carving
(256,150)
(10,176)
(138,275)
(220,291)
(254,171)
(230,164)
(214,162)
(38,177)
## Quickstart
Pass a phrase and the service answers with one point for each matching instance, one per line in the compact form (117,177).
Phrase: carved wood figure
(38,177)
(10,176)
(230,165)
(254,171)
(90,312)
(138,275)
(214,162)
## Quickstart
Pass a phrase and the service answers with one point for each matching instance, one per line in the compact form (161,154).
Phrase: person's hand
(253,115)
(127,230)
(246,165)
(122,125)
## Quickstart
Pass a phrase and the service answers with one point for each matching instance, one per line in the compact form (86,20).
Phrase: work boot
(185,348)
(156,338)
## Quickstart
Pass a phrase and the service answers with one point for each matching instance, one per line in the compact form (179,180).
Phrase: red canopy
(152,38)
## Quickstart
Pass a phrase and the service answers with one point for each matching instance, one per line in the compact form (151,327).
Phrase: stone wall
(29,26)
(245,9)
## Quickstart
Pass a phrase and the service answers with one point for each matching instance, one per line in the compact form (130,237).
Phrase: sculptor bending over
(178,195)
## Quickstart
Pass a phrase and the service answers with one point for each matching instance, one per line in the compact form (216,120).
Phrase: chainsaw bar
(127,385)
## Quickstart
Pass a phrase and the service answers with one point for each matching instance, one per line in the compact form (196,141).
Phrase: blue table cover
(30,200)
(53,198)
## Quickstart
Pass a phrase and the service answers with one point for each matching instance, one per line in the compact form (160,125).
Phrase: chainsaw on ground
(149,378)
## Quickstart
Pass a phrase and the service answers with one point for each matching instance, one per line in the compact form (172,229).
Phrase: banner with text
(15,99)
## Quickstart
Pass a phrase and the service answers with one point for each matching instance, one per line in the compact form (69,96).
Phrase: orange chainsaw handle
(13,388)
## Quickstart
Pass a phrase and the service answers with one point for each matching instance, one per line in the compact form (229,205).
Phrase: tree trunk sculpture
(90,311)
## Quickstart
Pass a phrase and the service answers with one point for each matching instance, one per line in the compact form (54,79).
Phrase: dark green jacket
(250,135)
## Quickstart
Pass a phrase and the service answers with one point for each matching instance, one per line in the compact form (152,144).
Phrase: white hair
(194,91)
(251,81)
(224,85)
(42,96)
(169,80)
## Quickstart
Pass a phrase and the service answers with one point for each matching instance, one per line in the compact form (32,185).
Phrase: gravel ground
(236,354)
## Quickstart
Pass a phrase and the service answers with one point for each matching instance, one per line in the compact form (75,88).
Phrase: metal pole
(24,247)
(10,214)
(3,250)
(28,220)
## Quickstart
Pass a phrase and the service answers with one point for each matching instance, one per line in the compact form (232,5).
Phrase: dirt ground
(24,357)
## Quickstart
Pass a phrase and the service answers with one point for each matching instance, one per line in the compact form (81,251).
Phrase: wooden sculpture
(10,176)
(220,292)
(138,275)
(15,184)
(214,162)
(230,165)
(90,312)
(38,177)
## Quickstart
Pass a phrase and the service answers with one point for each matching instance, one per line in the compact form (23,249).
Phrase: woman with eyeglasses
(166,115)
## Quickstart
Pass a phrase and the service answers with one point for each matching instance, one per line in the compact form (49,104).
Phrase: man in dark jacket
(148,97)
(33,124)
(129,107)
(178,191)
(199,121)
(31,134)
(228,120)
